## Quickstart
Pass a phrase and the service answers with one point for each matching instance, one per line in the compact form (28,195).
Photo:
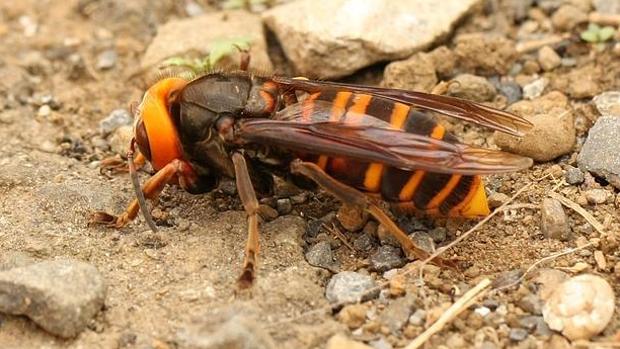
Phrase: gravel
(350,287)
(387,257)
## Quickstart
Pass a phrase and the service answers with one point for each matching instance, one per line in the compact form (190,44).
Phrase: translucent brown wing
(455,107)
(373,140)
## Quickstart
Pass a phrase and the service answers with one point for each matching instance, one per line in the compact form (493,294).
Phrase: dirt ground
(162,285)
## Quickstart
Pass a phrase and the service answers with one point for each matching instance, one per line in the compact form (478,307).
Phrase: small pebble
(554,222)
(512,91)
(517,334)
(107,60)
(600,154)
(438,234)
(534,89)
(284,206)
(385,237)
(423,240)
(364,242)
(387,257)
(320,255)
(418,318)
(340,341)
(497,199)
(608,103)
(597,196)
(482,311)
(353,315)
(397,313)
(44,111)
(116,119)
(531,303)
(472,87)
(351,218)
(580,307)
(350,287)
(573,175)
(548,58)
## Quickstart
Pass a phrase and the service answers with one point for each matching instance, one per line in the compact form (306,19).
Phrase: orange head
(154,128)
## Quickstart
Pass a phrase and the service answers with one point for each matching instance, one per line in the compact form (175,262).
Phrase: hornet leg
(250,204)
(151,190)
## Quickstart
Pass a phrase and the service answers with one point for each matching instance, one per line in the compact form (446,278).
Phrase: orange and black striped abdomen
(420,191)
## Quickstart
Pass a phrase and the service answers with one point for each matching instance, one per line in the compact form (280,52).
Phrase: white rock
(608,103)
(194,36)
(581,307)
(329,39)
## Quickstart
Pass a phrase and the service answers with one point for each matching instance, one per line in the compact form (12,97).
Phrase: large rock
(553,134)
(195,37)
(329,39)
(600,153)
(61,296)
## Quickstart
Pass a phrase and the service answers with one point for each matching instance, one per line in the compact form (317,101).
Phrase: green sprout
(219,49)
(596,34)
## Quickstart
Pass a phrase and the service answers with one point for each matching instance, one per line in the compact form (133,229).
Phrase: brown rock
(553,133)
(548,58)
(353,315)
(484,53)
(554,223)
(472,87)
(351,218)
(416,73)
(567,17)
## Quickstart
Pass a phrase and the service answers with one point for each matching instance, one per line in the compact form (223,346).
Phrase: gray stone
(353,34)
(387,257)
(350,287)
(397,313)
(184,37)
(597,196)
(608,103)
(512,91)
(107,60)
(534,89)
(573,176)
(12,259)
(600,153)
(120,139)
(380,343)
(61,296)
(418,318)
(517,334)
(423,240)
(320,255)
(116,119)
(416,73)
(535,324)
(531,303)
(472,87)
(554,222)
(284,206)
(438,234)
(364,242)
(216,333)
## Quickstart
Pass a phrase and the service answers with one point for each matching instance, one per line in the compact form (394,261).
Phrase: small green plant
(219,50)
(596,34)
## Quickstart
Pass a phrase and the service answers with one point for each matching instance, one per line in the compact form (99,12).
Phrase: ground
(162,285)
